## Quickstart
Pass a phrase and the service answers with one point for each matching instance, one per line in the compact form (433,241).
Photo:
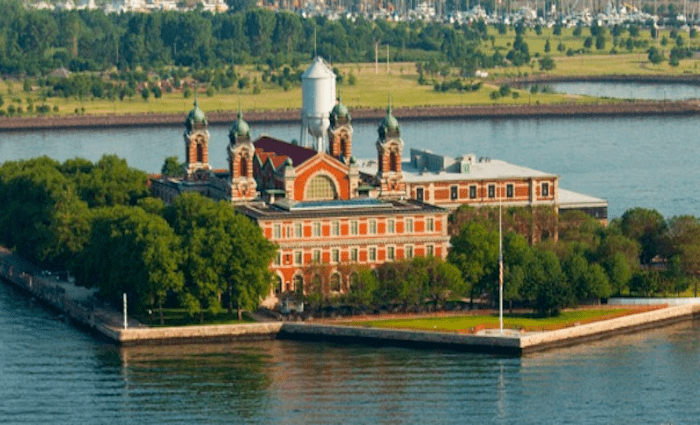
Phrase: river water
(51,372)
(650,162)
(627,90)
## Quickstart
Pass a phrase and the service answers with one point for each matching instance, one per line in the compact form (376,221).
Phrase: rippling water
(51,372)
(628,90)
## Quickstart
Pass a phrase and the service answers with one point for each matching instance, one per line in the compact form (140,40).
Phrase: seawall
(559,110)
(79,304)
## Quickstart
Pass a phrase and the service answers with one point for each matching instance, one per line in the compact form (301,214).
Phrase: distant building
(326,209)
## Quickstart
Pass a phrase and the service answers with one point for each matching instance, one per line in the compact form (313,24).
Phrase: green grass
(180,317)
(527,322)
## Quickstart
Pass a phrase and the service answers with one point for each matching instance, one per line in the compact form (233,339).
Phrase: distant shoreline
(560,110)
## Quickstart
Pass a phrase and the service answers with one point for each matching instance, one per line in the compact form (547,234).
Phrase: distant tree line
(35,42)
(97,221)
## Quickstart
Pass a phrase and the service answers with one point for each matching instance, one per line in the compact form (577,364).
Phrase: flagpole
(500,260)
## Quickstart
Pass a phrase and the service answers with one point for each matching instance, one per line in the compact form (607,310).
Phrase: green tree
(547,63)
(655,55)
(363,288)
(111,182)
(172,167)
(545,284)
(647,227)
(475,253)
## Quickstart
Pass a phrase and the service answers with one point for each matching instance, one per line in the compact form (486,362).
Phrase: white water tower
(318,99)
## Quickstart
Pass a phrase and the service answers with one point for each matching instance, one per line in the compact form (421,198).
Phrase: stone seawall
(193,334)
(568,110)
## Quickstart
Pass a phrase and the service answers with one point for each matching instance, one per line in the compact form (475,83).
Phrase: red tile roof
(278,148)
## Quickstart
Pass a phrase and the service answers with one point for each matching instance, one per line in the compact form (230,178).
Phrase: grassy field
(373,87)
(527,322)
(179,317)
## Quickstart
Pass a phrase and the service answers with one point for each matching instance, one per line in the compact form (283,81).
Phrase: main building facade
(329,212)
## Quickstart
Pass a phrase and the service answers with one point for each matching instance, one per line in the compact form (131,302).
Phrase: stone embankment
(573,109)
(79,304)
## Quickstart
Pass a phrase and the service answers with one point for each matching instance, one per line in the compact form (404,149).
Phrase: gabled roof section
(278,148)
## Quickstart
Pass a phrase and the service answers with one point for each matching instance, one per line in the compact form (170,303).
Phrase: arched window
(200,151)
(278,285)
(343,143)
(244,167)
(335,282)
(392,161)
(320,188)
(299,284)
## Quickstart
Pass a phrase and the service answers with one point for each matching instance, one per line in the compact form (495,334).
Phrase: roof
(318,70)
(569,199)
(298,154)
(334,209)
(481,170)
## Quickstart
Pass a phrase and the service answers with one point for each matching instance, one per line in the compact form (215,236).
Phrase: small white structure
(318,100)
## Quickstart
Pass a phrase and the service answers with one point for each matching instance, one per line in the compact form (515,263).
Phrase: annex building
(327,210)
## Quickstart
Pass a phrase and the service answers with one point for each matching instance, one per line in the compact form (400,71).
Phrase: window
(353,254)
(454,192)
(509,191)
(320,187)
(373,227)
(409,251)
(299,284)
(298,258)
(409,225)
(390,226)
(472,192)
(335,282)
(288,231)
(335,255)
(545,189)
(316,256)
(353,227)
(298,230)
(419,194)
(430,224)
(278,258)
(372,254)
(335,228)
(390,253)
(492,191)
(430,250)
(277,231)
(278,285)
(317,229)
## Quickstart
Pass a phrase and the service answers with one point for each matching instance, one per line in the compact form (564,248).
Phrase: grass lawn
(527,322)
(179,317)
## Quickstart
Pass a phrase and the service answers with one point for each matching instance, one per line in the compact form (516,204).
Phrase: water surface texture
(51,372)
(646,161)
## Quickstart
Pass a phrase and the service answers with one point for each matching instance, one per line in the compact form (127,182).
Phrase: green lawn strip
(180,317)
(527,322)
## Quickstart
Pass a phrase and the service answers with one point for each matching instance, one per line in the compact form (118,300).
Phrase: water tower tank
(318,99)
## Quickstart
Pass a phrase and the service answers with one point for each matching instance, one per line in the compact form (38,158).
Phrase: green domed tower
(340,132)
(389,150)
(240,161)
(196,141)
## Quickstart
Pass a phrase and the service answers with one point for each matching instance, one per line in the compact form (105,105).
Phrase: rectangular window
(409,251)
(409,225)
(492,191)
(278,258)
(298,230)
(317,256)
(390,254)
(317,229)
(430,250)
(509,191)
(472,192)
(372,254)
(335,255)
(335,228)
(419,194)
(373,227)
(298,258)
(353,227)
(353,254)
(430,224)
(277,231)
(545,189)
(454,192)
(390,226)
